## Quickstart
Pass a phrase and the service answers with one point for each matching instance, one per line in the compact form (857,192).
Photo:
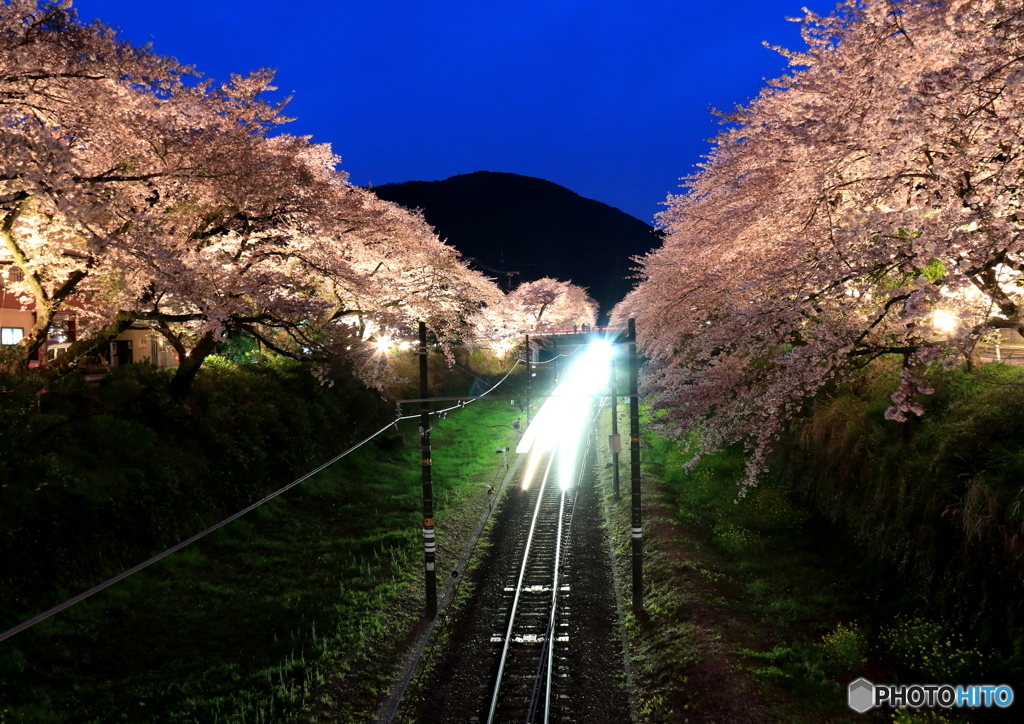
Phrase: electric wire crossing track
(530,684)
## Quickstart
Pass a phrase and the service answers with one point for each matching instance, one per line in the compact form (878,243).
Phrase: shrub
(919,716)
(931,506)
(846,646)
(922,648)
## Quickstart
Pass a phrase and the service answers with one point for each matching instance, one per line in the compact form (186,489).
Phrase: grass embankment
(747,618)
(932,506)
(297,609)
(98,478)
(873,549)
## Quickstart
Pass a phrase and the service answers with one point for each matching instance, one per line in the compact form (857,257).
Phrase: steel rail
(550,635)
(547,649)
(389,710)
(542,678)
(519,590)
(551,622)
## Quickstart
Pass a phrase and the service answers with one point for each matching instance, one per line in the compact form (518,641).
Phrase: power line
(188,541)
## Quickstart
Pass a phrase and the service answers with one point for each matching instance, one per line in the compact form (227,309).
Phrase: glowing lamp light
(945,321)
(501,348)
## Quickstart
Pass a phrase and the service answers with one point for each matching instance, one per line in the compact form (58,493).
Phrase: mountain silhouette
(519,228)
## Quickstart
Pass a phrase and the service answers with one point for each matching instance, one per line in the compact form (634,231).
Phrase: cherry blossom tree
(534,306)
(65,90)
(549,304)
(127,195)
(275,242)
(866,204)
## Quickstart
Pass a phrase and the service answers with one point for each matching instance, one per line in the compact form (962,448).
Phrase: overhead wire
(537,364)
(202,534)
(474,399)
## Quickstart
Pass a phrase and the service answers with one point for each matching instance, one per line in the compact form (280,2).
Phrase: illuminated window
(11,335)
(60,332)
(9,275)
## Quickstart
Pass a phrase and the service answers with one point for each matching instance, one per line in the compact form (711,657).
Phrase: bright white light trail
(561,421)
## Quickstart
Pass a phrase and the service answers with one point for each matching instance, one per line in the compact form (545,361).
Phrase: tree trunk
(189,364)
(46,304)
(973,360)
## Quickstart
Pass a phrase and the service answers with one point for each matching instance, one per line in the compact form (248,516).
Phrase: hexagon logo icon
(861,695)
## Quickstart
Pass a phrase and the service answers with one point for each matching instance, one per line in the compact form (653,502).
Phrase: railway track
(532,632)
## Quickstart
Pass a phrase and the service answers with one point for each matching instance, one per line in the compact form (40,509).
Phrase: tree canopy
(545,304)
(131,189)
(868,203)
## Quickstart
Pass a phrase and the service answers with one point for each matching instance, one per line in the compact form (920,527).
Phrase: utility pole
(634,473)
(529,380)
(429,549)
(616,440)
(554,361)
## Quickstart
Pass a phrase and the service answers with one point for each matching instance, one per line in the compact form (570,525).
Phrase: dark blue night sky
(607,98)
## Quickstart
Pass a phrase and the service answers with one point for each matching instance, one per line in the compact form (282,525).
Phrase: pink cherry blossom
(839,215)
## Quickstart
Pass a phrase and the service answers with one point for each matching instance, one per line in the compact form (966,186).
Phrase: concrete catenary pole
(634,474)
(529,380)
(429,549)
(554,362)
(615,429)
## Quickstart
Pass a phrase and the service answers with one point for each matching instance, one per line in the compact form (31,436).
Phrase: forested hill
(509,223)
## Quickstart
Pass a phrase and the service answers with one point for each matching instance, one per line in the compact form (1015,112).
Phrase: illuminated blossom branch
(127,194)
(534,306)
(855,200)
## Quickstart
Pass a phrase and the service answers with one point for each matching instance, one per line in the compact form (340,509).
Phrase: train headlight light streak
(562,419)
(532,463)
